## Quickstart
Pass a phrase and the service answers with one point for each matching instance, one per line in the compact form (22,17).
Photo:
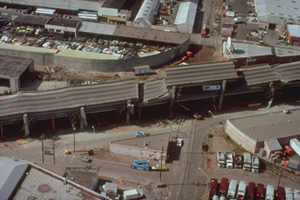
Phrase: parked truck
(255,164)
(238,161)
(213,187)
(247,161)
(260,192)
(132,194)
(241,190)
(250,191)
(229,160)
(232,189)
(223,186)
(295,145)
(270,192)
(221,159)
(289,195)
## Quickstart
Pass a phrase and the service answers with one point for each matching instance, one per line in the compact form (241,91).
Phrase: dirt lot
(269,174)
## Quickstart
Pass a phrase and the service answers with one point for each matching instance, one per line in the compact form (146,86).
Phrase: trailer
(229,160)
(88,16)
(221,159)
(295,145)
(270,192)
(241,190)
(45,11)
(232,189)
(247,161)
(289,195)
(255,164)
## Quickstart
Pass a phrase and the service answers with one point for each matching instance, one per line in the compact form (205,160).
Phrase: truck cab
(280,193)
(247,161)
(221,159)
(255,164)
(213,187)
(140,164)
(260,192)
(251,190)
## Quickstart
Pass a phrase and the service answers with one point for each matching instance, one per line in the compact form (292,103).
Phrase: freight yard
(149,99)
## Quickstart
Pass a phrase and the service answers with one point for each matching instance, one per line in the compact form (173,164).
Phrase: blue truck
(141,164)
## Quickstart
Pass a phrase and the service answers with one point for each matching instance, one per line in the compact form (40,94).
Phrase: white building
(185,17)
(147,13)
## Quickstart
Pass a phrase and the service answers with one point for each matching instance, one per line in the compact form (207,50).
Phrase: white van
(238,19)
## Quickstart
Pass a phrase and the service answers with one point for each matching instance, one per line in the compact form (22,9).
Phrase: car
(179,142)
(141,134)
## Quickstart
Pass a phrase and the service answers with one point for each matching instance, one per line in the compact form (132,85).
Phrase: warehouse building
(112,11)
(273,14)
(293,33)
(11,71)
(185,17)
(147,13)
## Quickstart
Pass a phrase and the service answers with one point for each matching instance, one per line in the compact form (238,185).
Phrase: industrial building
(21,179)
(262,131)
(274,14)
(112,12)
(185,17)
(293,33)
(12,69)
(146,15)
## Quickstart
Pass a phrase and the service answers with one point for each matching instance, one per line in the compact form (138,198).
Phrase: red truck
(238,161)
(223,186)
(250,191)
(213,186)
(260,192)
(280,193)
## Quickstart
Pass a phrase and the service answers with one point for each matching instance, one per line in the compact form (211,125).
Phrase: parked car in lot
(141,134)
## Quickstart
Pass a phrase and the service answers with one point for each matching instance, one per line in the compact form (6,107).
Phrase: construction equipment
(288,150)
(284,163)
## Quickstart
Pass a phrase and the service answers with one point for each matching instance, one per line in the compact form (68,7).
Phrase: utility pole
(161,163)
(53,152)
(42,137)
(74,129)
(279,178)
(94,136)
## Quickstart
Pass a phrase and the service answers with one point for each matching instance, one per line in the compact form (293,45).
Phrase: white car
(179,142)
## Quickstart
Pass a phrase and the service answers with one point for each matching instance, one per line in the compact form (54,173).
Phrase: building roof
(87,55)
(200,73)
(116,4)
(273,144)
(294,30)
(286,52)
(278,12)
(186,13)
(10,174)
(92,27)
(40,183)
(32,19)
(63,22)
(260,127)
(155,90)
(259,75)
(288,72)
(246,50)
(147,10)
(68,98)
(13,67)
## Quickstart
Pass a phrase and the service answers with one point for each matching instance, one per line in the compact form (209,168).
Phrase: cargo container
(295,145)
(223,186)
(260,192)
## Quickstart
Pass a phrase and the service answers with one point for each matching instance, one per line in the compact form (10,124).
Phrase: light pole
(74,129)
(94,136)
(212,120)
(207,178)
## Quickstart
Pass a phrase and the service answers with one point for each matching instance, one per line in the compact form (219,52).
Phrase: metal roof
(259,75)
(200,73)
(186,13)
(294,30)
(13,67)
(273,144)
(116,4)
(10,174)
(43,184)
(288,72)
(155,90)
(246,50)
(277,11)
(68,98)
(147,11)
(63,22)
(92,27)
(284,52)
(260,127)
(32,19)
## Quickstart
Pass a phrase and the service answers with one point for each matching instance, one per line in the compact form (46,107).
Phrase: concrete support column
(140,112)
(2,133)
(25,120)
(83,116)
(173,89)
(222,94)
(14,84)
(53,124)
(129,110)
